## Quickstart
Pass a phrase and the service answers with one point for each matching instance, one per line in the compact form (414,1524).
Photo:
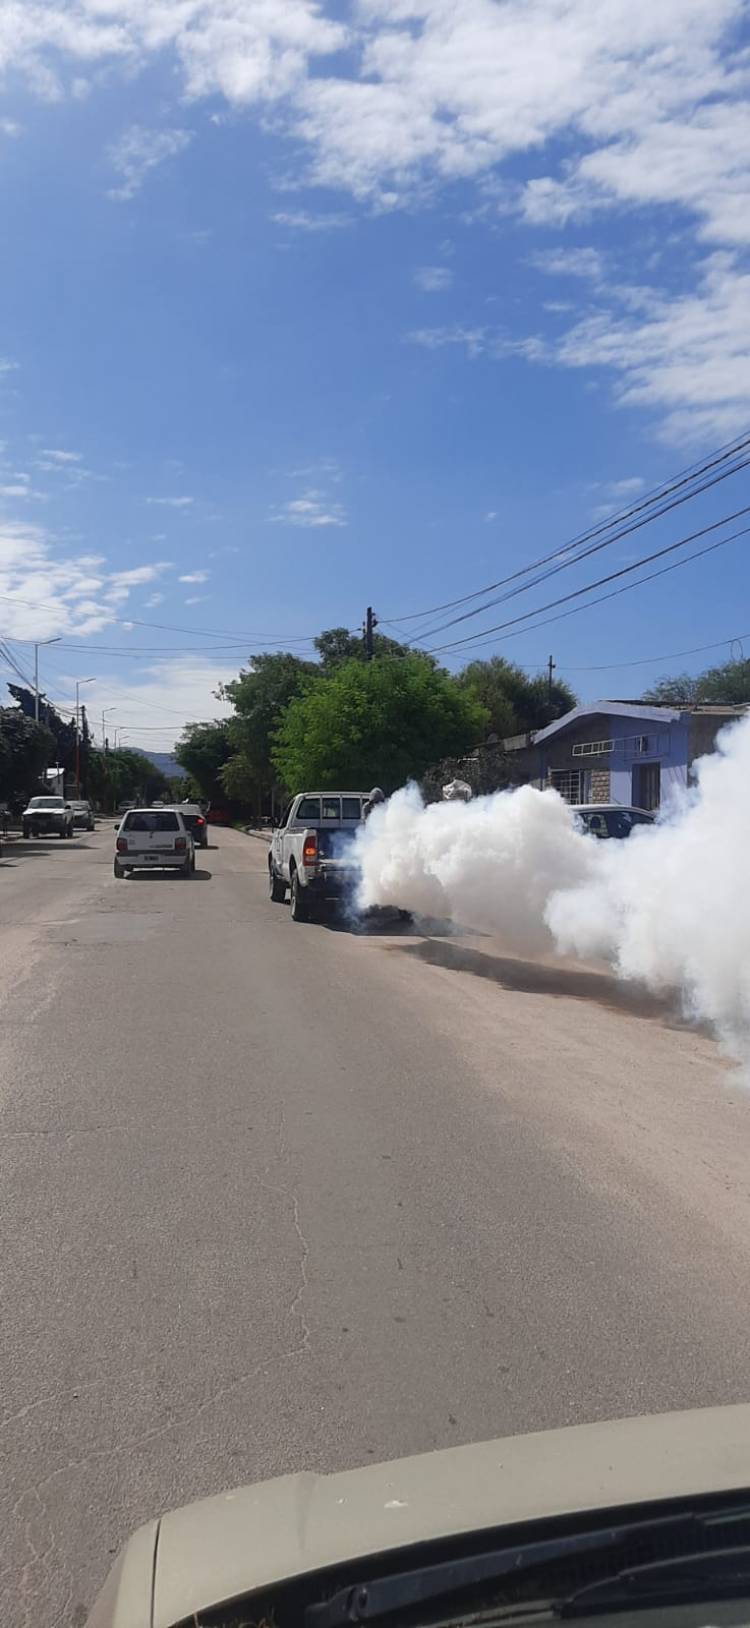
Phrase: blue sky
(305,307)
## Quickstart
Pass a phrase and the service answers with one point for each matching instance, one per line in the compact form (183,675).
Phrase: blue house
(623,752)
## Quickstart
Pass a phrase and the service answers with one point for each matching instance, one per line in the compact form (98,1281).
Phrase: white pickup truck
(308,849)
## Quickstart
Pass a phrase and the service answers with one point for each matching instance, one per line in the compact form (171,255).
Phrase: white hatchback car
(153,839)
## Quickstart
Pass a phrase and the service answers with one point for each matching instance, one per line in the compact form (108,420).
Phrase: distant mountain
(164,761)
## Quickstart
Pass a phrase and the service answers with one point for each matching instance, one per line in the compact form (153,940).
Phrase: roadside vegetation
(347,720)
(28,749)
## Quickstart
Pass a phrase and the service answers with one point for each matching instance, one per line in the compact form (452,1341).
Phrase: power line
(689,476)
(594,548)
(623,571)
(626,588)
(649,661)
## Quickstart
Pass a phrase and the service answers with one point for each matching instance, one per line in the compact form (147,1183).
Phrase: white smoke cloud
(666,908)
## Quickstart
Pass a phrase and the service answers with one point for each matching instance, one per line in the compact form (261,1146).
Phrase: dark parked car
(611,819)
(83,814)
(195,820)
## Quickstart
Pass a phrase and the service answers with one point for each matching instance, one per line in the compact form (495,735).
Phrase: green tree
(202,753)
(26,748)
(727,684)
(514,701)
(119,775)
(681,690)
(338,645)
(375,723)
(259,697)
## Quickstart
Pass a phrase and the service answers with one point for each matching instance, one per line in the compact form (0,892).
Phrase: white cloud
(18,489)
(168,694)
(473,340)
(153,600)
(194,576)
(140,574)
(7,366)
(138,151)
(490,515)
(172,502)
(569,263)
(647,102)
(629,487)
(9,127)
(196,599)
(58,456)
(245,50)
(44,592)
(433,279)
(312,509)
(302,220)
(478,342)
(687,357)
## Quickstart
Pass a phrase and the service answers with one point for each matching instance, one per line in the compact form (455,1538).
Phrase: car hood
(259,1535)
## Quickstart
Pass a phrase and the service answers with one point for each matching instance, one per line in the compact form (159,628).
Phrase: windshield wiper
(662,1582)
(378,1597)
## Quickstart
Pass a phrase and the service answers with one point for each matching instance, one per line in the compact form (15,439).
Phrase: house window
(572,784)
(594,748)
(647,785)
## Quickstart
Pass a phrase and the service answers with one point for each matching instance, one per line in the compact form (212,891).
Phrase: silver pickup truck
(308,853)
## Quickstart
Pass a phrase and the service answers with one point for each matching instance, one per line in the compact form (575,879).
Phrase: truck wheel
(276,886)
(119,872)
(26,834)
(299,907)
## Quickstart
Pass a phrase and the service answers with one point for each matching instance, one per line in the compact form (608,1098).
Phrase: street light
(105,710)
(38,644)
(79,683)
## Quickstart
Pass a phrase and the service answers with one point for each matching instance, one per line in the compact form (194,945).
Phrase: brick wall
(600,786)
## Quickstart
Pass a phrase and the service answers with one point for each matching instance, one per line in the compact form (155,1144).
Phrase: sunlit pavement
(277,1195)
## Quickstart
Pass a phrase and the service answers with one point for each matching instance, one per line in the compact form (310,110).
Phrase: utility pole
(79,682)
(37,645)
(551,665)
(371,623)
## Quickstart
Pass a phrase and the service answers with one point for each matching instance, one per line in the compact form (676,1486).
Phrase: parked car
(308,849)
(611,819)
(47,816)
(83,814)
(195,821)
(153,839)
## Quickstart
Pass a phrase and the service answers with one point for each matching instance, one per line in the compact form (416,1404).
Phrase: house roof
(613,709)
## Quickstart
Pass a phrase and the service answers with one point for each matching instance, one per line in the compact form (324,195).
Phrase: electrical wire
(650,661)
(623,571)
(565,565)
(691,474)
(626,588)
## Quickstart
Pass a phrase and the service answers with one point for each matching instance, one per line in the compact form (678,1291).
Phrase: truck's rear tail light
(310,850)
(200,820)
(180,844)
(122,845)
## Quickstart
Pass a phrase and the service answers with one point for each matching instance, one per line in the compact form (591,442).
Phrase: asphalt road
(276,1196)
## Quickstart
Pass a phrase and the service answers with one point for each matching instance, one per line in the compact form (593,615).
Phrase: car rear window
(46,802)
(351,808)
(151,819)
(309,809)
(192,819)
